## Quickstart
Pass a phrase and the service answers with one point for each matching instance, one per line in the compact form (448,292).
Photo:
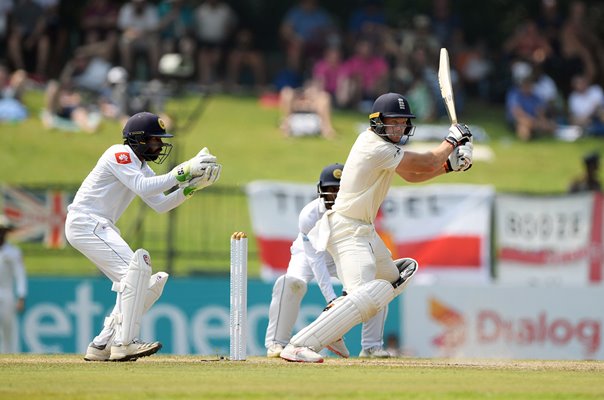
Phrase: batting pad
(288,292)
(133,290)
(346,312)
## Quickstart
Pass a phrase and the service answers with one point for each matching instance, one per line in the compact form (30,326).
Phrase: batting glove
(458,134)
(460,158)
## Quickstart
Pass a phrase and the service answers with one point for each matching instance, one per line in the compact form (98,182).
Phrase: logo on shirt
(123,158)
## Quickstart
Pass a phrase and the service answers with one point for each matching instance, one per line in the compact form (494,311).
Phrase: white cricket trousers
(359,253)
(8,325)
(100,240)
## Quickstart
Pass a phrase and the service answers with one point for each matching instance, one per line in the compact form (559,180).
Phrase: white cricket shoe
(97,353)
(274,350)
(374,352)
(300,354)
(133,351)
(339,347)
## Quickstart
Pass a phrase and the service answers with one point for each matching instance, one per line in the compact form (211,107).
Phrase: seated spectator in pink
(328,71)
(366,76)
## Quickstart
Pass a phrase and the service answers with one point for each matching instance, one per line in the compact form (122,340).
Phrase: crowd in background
(548,72)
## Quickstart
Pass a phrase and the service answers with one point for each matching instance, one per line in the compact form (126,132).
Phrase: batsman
(363,262)
(121,174)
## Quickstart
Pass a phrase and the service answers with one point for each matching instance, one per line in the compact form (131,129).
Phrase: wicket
(238,296)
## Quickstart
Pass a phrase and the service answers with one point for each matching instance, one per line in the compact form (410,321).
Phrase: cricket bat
(444,81)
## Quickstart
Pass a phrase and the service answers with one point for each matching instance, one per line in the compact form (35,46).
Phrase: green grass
(246,139)
(195,377)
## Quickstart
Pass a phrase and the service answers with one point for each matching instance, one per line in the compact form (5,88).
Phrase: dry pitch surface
(197,377)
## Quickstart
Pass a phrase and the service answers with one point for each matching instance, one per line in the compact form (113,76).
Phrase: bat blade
(444,81)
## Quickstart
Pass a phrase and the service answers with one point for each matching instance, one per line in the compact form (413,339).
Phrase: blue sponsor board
(191,317)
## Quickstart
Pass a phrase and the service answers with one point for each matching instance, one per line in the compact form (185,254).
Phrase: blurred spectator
(590,181)
(420,96)
(13,289)
(6,7)
(306,30)
(547,90)
(57,31)
(28,39)
(420,36)
(586,105)
(328,71)
(306,111)
(245,57)
(575,55)
(71,102)
(527,44)
(176,28)
(525,111)
(66,110)
(12,87)
(367,21)
(550,21)
(138,22)
(216,22)
(99,27)
(472,63)
(444,21)
(114,99)
(366,76)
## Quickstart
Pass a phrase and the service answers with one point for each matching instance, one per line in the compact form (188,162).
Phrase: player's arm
(453,154)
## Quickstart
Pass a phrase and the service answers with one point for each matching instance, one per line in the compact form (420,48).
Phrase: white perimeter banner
(549,240)
(445,227)
(503,322)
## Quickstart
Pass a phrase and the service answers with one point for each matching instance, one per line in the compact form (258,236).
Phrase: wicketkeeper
(121,174)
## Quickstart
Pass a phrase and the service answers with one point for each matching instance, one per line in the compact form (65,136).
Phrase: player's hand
(460,158)
(211,175)
(459,134)
(195,167)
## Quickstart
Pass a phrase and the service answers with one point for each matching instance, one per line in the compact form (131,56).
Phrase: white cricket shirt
(367,176)
(118,177)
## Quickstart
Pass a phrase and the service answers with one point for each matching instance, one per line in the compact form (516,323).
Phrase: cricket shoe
(274,350)
(95,352)
(374,352)
(133,351)
(339,347)
(300,354)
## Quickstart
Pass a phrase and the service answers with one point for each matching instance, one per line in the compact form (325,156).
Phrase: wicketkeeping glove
(459,134)
(211,175)
(195,167)
(460,158)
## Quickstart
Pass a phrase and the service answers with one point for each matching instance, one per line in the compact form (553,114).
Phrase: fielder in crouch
(119,176)
(307,264)
(364,264)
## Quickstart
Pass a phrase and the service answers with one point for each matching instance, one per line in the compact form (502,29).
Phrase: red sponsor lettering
(123,158)
(492,327)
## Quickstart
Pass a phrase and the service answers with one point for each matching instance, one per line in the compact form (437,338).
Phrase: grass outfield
(195,377)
